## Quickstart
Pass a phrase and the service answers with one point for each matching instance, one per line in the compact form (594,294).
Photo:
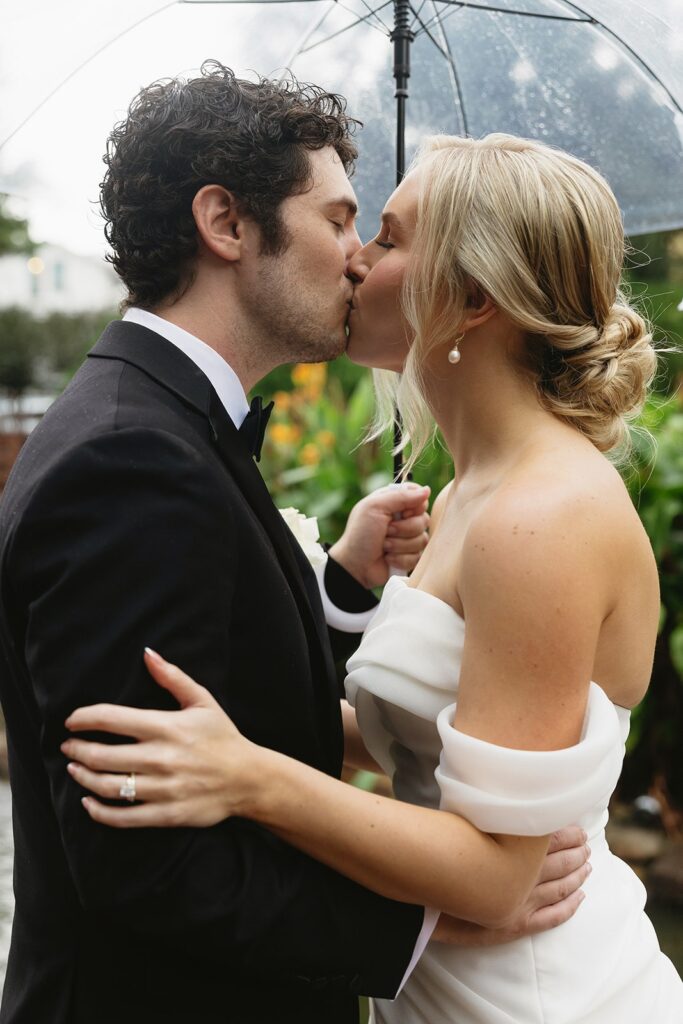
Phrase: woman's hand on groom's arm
(555,899)
(385,530)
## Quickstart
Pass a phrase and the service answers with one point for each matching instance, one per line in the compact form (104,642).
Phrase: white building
(54,280)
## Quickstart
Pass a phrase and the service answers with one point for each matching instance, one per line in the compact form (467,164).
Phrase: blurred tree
(19,336)
(66,338)
(14,234)
(656,485)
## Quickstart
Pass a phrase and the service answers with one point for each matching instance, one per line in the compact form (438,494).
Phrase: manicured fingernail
(588,849)
(153,654)
(71,767)
(584,834)
(582,896)
(589,868)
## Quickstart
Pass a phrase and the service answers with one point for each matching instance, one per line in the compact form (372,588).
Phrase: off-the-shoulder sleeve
(529,792)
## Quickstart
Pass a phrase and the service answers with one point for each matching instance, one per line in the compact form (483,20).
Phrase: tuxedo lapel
(166,364)
(242,467)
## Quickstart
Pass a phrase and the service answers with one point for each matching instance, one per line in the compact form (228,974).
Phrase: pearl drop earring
(454,354)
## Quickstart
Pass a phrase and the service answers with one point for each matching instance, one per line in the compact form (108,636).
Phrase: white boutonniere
(305,529)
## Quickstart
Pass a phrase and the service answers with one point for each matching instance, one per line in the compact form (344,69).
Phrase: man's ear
(219,221)
(480,307)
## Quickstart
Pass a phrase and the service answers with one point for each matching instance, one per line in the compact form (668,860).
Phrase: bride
(494,685)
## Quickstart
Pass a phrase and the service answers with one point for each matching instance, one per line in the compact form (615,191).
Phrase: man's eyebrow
(350,204)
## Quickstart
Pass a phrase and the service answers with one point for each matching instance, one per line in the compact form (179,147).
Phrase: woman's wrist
(263,771)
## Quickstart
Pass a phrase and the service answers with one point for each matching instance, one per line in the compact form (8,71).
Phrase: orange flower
(284,433)
(309,455)
(311,376)
(283,401)
(325,438)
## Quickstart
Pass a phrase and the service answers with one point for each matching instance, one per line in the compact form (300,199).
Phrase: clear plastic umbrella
(600,78)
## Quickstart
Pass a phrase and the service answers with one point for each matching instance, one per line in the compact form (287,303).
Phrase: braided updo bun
(540,232)
(599,379)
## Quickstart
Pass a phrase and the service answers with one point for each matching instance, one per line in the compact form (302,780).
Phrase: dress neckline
(432,597)
(450,608)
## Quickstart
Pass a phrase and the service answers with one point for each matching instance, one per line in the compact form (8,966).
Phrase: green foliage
(66,338)
(656,485)
(19,343)
(14,236)
(47,352)
(314,458)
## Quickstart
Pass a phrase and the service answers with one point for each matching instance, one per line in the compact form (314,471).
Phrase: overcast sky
(53,164)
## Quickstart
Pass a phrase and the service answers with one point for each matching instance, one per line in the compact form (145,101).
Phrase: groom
(136,516)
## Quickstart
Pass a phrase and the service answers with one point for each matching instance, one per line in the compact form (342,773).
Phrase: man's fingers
(405,546)
(411,527)
(559,889)
(557,865)
(565,838)
(404,563)
(553,916)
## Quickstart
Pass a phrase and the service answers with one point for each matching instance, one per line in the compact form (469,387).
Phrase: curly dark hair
(250,137)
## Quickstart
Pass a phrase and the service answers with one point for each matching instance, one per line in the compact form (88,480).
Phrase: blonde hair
(540,232)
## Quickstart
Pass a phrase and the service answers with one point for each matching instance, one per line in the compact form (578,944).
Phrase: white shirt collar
(221,375)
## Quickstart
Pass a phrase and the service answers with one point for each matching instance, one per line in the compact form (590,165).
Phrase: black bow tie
(254,426)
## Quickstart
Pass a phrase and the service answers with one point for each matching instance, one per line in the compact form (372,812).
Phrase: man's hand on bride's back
(555,899)
(386,530)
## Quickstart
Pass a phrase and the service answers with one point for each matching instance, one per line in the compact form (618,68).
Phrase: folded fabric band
(532,792)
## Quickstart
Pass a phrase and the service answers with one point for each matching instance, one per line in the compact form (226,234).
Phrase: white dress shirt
(228,387)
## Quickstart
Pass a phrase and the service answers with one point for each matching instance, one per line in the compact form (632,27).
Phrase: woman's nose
(358,265)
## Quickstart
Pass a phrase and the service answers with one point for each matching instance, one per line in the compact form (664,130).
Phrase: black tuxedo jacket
(135,516)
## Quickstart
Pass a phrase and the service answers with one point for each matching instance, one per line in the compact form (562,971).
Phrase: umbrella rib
(317,22)
(455,9)
(417,13)
(523,14)
(358,21)
(449,57)
(455,80)
(385,27)
(83,64)
(626,46)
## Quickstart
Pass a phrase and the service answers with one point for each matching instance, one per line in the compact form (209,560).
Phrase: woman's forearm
(407,853)
(356,754)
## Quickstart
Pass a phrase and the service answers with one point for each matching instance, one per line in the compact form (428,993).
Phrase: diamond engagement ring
(127,791)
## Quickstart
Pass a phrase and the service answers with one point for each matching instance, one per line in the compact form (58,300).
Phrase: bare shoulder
(552,529)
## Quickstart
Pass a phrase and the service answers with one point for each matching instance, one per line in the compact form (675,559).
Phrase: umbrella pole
(401,37)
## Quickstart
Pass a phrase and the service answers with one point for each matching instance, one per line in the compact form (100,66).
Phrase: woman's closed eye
(384,245)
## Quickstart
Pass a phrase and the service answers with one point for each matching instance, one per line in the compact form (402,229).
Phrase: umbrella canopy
(600,78)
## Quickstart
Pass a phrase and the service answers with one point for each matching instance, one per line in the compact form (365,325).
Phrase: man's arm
(128,542)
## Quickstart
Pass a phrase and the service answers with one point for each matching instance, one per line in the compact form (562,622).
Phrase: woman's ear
(480,307)
(219,221)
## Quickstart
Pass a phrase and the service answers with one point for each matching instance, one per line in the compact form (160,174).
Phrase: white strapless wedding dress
(604,966)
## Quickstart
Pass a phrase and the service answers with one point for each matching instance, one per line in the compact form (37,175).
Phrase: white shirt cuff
(428,926)
(345,622)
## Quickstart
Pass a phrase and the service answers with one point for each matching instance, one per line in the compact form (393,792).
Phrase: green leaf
(676,649)
(297,475)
